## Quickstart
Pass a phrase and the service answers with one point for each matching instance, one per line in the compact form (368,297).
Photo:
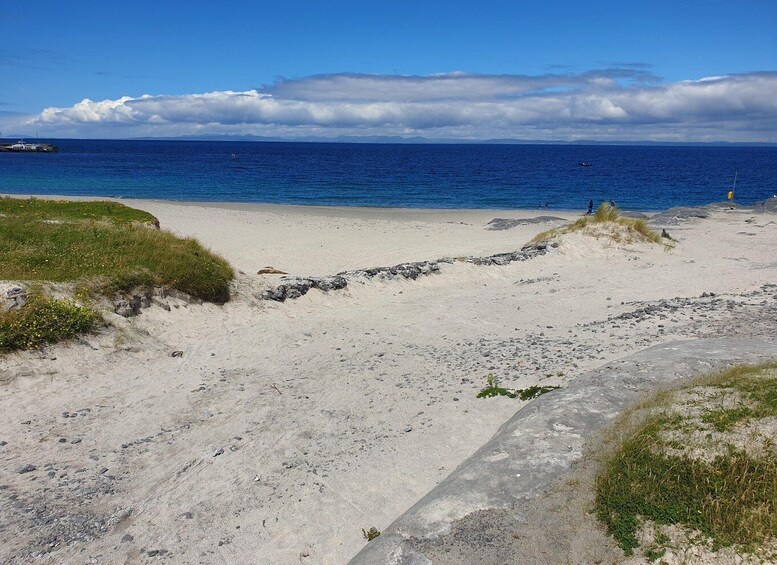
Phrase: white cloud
(612,104)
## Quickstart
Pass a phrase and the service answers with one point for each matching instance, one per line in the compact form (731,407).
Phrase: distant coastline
(416,140)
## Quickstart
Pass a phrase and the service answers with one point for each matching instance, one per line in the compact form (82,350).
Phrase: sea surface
(396,175)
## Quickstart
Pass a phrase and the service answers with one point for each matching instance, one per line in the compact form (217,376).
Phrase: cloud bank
(621,103)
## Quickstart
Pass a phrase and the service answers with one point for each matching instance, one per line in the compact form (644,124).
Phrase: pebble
(220,451)
(126,538)
(26,469)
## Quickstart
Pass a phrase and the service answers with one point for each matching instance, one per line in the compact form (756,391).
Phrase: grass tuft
(44,320)
(636,229)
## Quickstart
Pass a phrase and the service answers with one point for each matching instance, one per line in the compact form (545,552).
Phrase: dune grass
(729,496)
(636,229)
(44,320)
(65,210)
(105,247)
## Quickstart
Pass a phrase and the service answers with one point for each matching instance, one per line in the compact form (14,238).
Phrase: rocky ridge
(293,287)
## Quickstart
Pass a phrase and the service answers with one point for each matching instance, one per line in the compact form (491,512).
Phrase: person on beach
(731,199)
(590,207)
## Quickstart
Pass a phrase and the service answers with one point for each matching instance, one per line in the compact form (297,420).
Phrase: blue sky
(56,54)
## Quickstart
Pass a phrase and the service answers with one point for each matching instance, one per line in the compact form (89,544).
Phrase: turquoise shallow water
(394,175)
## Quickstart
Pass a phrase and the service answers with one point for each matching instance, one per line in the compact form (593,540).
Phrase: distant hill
(426,140)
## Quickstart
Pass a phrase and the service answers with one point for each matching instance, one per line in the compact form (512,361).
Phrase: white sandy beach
(335,411)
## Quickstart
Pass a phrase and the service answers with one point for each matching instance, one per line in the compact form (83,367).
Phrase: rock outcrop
(294,287)
(12,297)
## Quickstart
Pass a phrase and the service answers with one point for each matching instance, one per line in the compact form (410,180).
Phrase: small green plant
(533,392)
(370,534)
(725,419)
(655,553)
(493,389)
(44,320)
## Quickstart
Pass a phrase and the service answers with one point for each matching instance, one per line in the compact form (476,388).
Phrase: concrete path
(535,447)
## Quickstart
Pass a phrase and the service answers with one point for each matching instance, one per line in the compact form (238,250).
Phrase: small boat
(23,147)
(584,164)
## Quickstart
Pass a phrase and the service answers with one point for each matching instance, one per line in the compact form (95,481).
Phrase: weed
(655,553)
(370,534)
(493,389)
(725,419)
(44,320)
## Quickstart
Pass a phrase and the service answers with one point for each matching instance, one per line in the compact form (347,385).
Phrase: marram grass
(636,228)
(106,247)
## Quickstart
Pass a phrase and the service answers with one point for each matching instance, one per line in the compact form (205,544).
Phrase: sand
(286,428)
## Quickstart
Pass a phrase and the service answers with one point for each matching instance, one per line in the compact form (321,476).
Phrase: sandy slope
(335,412)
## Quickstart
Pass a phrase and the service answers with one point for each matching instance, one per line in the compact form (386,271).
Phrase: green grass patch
(44,320)
(726,418)
(63,211)
(635,229)
(105,247)
(731,498)
(493,389)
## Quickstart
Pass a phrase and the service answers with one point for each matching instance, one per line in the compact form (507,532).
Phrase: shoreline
(269,206)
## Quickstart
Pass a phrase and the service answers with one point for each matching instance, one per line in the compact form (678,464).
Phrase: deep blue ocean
(396,175)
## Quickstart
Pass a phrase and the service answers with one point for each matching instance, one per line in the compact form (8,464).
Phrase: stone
(127,307)
(498,224)
(326,284)
(26,469)
(176,354)
(270,271)
(12,297)
(126,538)
(219,451)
